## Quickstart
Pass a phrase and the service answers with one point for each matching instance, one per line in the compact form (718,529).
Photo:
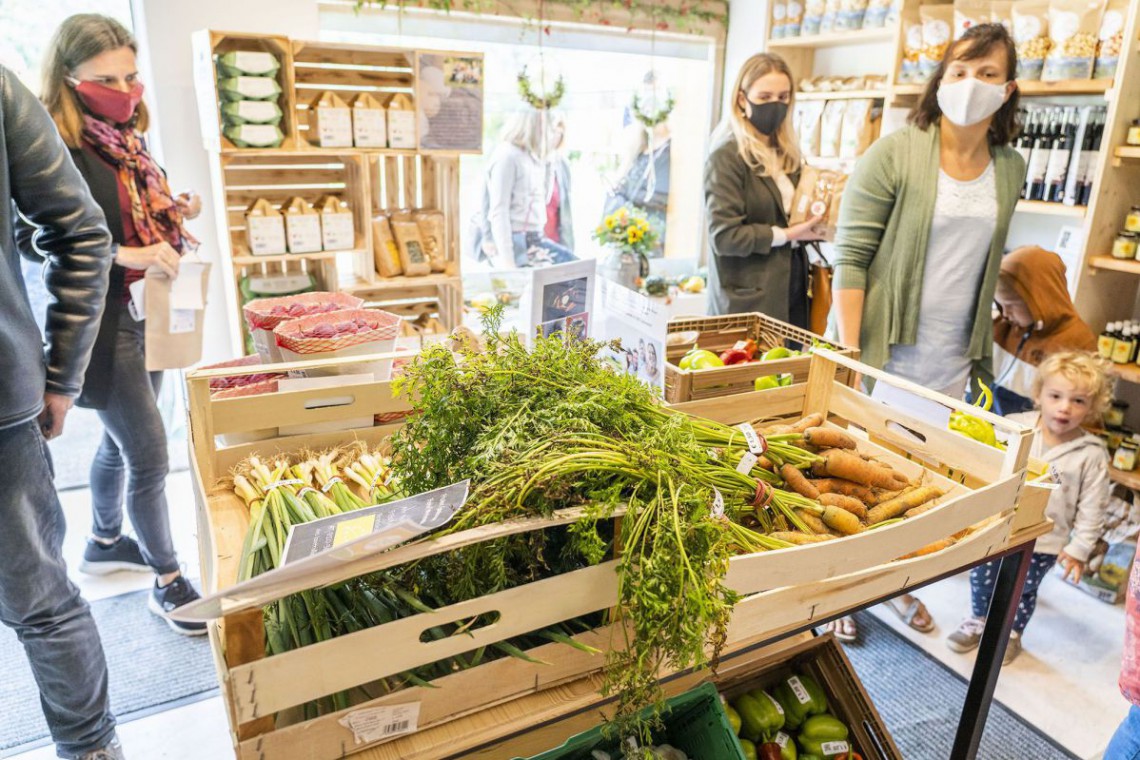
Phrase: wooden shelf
(1124,152)
(1127,478)
(843,95)
(313,151)
(1130,266)
(1032,88)
(245,259)
(836,39)
(1051,209)
(399,283)
(1129,373)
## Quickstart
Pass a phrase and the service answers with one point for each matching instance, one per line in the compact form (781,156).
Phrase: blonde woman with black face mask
(756,262)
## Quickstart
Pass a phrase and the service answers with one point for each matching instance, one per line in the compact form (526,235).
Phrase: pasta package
(1031,35)
(1110,39)
(807,124)
(969,13)
(1073,29)
(412,256)
(937,33)
(912,47)
(831,128)
(433,233)
(860,121)
(384,249)
(330,122)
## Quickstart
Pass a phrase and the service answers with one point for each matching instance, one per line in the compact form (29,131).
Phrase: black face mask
(767,117)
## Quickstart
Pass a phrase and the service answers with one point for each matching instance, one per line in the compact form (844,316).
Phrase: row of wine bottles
(1059,145)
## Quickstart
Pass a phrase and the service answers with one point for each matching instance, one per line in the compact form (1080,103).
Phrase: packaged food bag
(302,226)
(264,229)
(384,249)
(878,11)
(254,135)
(969,13)
(795,18)
(433,233)
(330,123)
(831,128)
(807,123)
(1001,12)
(355,332)
(401,122)
(912,47)
(937,33)
(859,122)
(816,196)
(248,88)
(779,19)
(1031,34)
(1110,39)
(830,15)
(850,16)
(249,63)
(338,230)
(262,315)
(239,112)
(813,17)
(1073,29)
(369,122)
(413,257)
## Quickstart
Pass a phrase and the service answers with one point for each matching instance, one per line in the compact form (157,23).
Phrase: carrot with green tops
(902,504)
(829,438)
(854,506)
(811,519)
(812,420)
(796,481)
(801,539)
(839,463)
(844,488)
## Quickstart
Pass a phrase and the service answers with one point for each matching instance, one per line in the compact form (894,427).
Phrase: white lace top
(965,216)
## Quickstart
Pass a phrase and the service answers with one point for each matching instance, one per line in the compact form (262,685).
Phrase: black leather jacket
(38,180)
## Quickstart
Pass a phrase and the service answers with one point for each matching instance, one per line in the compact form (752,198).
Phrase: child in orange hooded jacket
(1037,319)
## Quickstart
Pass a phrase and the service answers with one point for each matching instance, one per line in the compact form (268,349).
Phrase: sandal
(913,610)
(843,629)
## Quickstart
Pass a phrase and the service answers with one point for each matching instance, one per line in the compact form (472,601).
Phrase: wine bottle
(1057,169)
(1039,159)
(1024,144)
(1086,184)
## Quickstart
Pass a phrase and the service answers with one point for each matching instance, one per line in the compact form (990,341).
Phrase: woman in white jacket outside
(1070,390)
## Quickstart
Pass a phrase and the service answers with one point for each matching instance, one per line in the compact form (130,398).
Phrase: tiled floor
(1064,682)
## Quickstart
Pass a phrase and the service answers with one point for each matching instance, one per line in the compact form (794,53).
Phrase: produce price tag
(756,444)
(332,482)
(782,739)
(747,462)
(382,722)
(777,705)
(833,748)
(799,690)
(281,483)
(718,503)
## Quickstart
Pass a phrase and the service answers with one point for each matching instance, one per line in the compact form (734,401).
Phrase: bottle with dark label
(1039,158)
(1057,170)
(1024,144)
(1122,346)
(1085,184)
(1106,340)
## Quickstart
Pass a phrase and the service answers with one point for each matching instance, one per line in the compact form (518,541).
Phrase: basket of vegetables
(349,332)
(262,315)
(707,357)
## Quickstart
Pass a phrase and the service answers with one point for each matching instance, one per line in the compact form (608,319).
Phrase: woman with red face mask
(92,90)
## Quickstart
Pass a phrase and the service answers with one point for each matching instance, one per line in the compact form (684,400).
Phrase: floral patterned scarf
(154,212)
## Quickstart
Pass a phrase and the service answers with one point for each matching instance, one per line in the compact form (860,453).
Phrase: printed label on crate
(747,462)
(756,444)
(833,748)
(781,738)
(799,690)
(379,723)
(266,234)
(391,523)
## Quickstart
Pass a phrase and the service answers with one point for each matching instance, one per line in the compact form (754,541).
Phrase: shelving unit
(1129,372)
(1108,263)
(1126,153)
(1051,209)
(844,95)
(370,180)
(1126,478)
(1030,88)
(835,39)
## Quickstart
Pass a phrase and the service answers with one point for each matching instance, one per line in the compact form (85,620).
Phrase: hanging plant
(544,102)
(651,120)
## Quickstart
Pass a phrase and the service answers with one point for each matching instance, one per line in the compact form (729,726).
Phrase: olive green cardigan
(884,223)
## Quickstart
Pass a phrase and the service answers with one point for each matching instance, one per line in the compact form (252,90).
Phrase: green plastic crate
(695,723)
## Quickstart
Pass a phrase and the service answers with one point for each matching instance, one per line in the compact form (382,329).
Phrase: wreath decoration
(649,121)
(550,100)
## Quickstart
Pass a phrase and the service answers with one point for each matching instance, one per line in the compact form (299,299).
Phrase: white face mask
(969,101)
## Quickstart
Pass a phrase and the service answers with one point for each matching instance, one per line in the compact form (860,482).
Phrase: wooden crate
(207,46)
(718,334)
(783,589)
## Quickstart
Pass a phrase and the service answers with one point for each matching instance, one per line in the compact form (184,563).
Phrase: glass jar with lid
(1124,247)
(1132,221)
(1114,417)
(1133,137)
(1125,456)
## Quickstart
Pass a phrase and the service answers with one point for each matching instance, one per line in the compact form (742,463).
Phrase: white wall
(747,33)
(164,28)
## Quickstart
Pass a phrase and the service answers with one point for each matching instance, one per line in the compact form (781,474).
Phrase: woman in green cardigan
(922,229)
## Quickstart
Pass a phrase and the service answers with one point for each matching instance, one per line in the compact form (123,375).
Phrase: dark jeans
(1125,743)
(1007,402)
(983,578)
(133,431)
(532,245)
(42,606)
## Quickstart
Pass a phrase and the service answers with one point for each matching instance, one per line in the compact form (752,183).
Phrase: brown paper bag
(338,229)
(173,338)
(401,122)
(369,122)
(302,226)
(384,249)
(432,231)
(330,122)
(413,257)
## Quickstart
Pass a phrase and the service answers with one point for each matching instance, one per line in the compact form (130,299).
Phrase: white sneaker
(968,635)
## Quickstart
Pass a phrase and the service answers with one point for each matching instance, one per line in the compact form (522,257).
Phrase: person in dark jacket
(756,262)
(37,385)
(92,91)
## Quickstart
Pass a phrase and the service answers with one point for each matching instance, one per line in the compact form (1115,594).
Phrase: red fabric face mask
(109,103)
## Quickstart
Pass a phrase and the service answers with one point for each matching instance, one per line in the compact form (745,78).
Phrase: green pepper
(749,749)
(824,735)
(800,696)
(787,746)
(974,427)
(733,718)
(760,715)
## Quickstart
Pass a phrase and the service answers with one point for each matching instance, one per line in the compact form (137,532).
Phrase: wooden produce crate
(782,590)
(718,334)
(207,46)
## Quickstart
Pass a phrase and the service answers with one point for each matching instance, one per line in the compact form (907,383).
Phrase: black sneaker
(104,559)
(164,599)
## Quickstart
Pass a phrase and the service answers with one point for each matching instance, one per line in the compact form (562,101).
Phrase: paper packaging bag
(302,226)
(860,122)
(412,255)
(401,122)
(338,230)
(817,195)
(432,233)
(264,229)
(369,122)
(384,249)
(831,129)
(1074,29)
(330,124)
(174,336)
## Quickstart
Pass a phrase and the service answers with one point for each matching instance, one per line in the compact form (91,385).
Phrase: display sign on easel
(559,299)
(640,323)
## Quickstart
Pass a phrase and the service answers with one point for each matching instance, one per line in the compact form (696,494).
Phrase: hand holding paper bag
(174,309)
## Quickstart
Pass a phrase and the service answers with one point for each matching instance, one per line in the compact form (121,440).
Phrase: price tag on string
(718,503)
(280,483)
(756,444)
(332,482)
(747,462)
